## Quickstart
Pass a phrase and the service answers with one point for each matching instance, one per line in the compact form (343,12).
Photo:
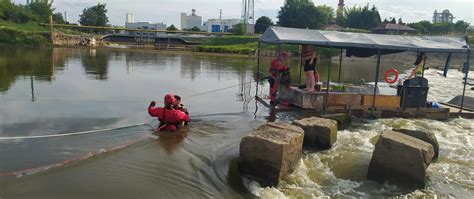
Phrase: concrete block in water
(400,158)
(425,136)
(343,120)
(271,152)
(319,133)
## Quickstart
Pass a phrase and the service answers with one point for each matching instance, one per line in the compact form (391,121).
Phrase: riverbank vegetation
(304,14)
(17,37)
(19,24)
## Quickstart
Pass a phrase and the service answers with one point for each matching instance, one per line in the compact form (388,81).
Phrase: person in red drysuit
(170,118)
(277,69)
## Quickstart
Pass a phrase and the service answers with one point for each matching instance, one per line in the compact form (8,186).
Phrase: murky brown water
(69,90)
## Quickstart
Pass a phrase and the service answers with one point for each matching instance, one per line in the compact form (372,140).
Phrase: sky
(168,11)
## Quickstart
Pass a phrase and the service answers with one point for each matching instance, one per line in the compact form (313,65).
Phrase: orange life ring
(387,73)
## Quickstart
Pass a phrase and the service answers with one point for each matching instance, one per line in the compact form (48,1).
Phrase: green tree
(385,21)
(400,21)
(94,16)
(341,20)
(362,17)
(441,28)
(262,24)
(172,28)
(42,10)
(303,14)
(461,26)
(239,29)
(58,18)
(195,29)
(15,13)
(393,20)
(423,27)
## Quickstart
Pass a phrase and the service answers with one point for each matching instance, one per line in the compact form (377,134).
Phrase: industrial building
(191,21)
(220,25)
(131,24)
(443,17)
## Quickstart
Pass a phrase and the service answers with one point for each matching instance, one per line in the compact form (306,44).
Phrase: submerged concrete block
(400,158)
(425,136)
(271,152)
(343,120)
(319,133)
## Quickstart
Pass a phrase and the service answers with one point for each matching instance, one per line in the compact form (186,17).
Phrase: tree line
(37,11)
(304,14)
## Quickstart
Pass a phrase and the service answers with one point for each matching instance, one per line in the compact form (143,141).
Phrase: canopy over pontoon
(348,40)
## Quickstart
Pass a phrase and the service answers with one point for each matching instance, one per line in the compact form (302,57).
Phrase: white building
(220,25)
(129,18)
(191,21)
(145,26)
(443,17)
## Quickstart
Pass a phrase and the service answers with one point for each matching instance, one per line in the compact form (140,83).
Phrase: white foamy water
(341,171)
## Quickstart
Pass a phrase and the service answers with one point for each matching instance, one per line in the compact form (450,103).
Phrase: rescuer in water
(279,77)
(178,106)
(170,118)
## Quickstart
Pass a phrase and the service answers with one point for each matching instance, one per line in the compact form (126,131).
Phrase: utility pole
(220,21)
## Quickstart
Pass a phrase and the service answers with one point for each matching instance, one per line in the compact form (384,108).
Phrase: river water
(67,90)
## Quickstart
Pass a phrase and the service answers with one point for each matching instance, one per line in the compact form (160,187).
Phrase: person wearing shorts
(309,57)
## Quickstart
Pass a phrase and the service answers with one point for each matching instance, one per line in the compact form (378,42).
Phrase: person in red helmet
(170,118)
(278,70)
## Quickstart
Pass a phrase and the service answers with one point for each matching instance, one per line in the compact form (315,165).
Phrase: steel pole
(376,81)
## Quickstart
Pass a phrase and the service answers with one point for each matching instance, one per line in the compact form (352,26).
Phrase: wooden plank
(381,101)
(344,99)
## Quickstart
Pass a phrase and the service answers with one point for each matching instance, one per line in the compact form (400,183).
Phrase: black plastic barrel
(413,92)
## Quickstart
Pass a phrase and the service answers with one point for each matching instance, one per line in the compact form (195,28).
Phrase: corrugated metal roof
(440,44)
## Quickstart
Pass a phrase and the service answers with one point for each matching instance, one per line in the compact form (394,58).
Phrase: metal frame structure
(320,42)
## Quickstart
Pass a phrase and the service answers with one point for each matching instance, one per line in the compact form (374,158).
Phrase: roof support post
(328,86)
(420,88)
(340,67)
(466,68)
(377,71)
(301,63)
(258,68)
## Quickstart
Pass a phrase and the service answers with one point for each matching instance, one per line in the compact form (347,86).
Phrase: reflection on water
(96,64)
(67,90)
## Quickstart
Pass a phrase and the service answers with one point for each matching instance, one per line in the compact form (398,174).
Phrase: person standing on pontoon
(309,59)
(418,65)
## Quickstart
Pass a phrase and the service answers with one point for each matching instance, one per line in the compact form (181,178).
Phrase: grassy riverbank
(30,34)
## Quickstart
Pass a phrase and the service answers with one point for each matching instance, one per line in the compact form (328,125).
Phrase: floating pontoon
(367,45)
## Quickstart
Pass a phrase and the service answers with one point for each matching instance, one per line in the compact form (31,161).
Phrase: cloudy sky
(167,11)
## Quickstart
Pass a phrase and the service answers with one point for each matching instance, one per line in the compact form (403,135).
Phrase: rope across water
(111,129)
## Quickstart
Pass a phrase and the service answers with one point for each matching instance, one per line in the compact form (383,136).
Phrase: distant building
(443,17)
(145,26)
(191,21)
(392,29)
(129,18)
(333,27)
(220,25)
(340,7)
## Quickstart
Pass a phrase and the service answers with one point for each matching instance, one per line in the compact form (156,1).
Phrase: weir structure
(369,103)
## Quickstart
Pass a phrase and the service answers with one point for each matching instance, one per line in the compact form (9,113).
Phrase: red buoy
(391,71)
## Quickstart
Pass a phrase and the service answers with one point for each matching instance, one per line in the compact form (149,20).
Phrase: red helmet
(169,99)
